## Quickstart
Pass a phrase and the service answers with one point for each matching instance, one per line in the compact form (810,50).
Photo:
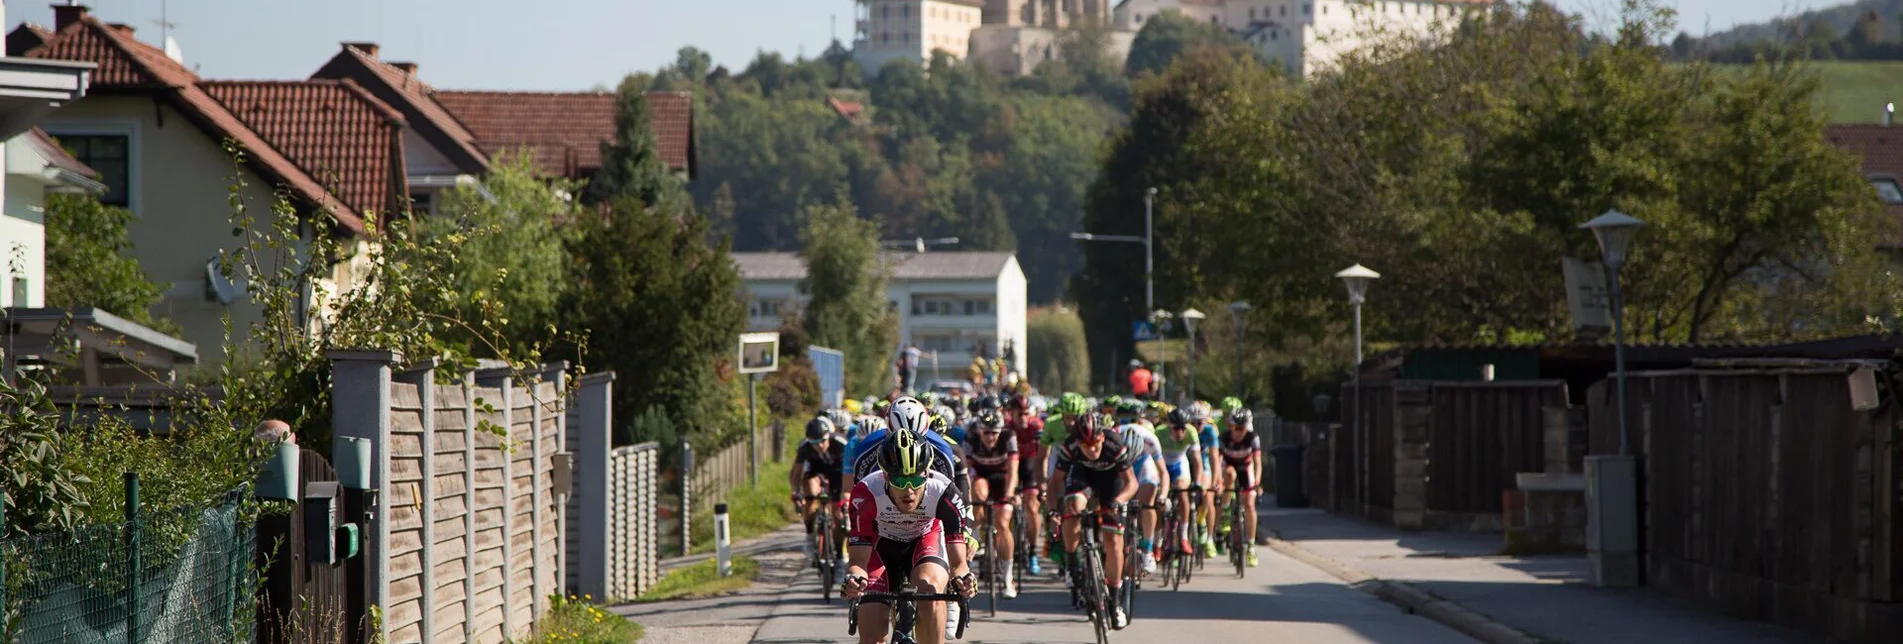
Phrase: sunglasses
(906,482)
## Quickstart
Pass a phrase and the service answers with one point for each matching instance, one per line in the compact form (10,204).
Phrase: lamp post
(1614,231)
(1236,309)
(1357,278)
(1612,481)
(1190,318)
(1161,319)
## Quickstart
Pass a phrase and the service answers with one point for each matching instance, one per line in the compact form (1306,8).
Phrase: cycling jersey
(875,517)
(1142,440)
(1114,455)
(1236,452)
(1174,450)
(1207,437)
(992,459)
(829,462)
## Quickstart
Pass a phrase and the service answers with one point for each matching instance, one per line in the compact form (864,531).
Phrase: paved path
(730,619)
(1283,600)
(1546,597)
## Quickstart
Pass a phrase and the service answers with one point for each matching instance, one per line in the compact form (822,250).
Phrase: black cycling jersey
(830,462)
(994,458)
(1238,451)
(1112,456)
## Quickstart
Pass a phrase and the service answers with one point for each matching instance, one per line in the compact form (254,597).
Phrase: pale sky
(557,44)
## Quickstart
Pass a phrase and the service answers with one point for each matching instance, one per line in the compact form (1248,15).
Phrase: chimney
(121,27)
(67,14)
(368,48)
(407,68)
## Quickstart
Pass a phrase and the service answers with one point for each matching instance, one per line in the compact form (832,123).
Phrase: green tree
(631,165)
(845,280)
(1056,354)
(513,247)
(1167,36)
(88,260)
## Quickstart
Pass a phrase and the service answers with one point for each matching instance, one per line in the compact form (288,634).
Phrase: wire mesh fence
(193,583)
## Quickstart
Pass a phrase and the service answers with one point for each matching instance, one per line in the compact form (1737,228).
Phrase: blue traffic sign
(1142,330)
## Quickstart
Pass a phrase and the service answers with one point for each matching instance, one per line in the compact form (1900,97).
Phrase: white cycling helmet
(909,415)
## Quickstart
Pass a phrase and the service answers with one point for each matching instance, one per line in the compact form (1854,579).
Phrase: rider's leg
(980,492)
(929,577)
(875,622)
(1146,496)
(1248,515)
(810,489)
(1001,524)
(1073,506)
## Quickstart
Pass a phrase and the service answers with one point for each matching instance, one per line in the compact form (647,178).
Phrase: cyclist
(907,415)
(907,524)
(994,468)
(1241,453)
(1183,461)
(1146,455)
(1095,459)
(1206,435)
(819,460)
(1028,428)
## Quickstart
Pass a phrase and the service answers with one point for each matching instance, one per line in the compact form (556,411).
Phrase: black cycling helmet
(1090,428)
(818,428)
(988,418)
(905,454)
(1179,417)
(1241,418)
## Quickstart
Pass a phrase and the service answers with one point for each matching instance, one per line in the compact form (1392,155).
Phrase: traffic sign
(1142,330)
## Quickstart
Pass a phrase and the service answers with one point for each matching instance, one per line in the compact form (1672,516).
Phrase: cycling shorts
(892,561)
(1179,469)
(1146,475)
(994,483)
(1245,475)
(1101,484)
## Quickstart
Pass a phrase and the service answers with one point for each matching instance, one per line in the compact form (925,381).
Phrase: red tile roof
(125,63)
(565,130)
(334,130)
(1879,146)
(409,95)
(849,110)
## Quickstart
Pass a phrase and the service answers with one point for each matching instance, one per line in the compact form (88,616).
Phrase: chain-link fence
(194,582)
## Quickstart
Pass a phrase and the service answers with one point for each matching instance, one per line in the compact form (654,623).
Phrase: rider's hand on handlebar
(966,584)
(854,587)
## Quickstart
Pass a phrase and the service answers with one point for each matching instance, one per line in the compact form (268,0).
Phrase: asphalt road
(1282,600)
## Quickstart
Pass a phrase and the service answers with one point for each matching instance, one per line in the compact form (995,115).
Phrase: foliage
(793,390)
(1461,173)
(755,509)
(511,255)
(576,620)
(88,260)
(631,164)
(1056,353)
(40,489)
(845,280)
(1169,35)
(702,579)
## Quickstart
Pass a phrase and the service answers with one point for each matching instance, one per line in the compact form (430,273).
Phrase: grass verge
(753,510)
(703,580)
(573,620)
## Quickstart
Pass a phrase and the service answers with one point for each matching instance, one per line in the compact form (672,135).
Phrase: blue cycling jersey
(863,459)
(1207,438)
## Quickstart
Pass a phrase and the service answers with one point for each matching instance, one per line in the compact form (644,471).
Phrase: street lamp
(1190,318)
(1357,278)
(1149,255)
(1614,231)
(1161,319)
(1236,309)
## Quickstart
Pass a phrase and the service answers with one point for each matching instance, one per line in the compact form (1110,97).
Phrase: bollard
(722,555)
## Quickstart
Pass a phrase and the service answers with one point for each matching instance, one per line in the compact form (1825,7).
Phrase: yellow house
(156,134)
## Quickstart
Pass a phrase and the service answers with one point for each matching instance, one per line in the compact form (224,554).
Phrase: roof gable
(125,63)
(410,96)
(334,130)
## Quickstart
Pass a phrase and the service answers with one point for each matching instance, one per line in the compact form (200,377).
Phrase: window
(111,156)
(1139,18)
(1282,11)
(1252,13)
(422,201)
(20,291)
(1888,191)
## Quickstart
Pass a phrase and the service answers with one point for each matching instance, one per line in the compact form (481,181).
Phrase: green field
(1855,91)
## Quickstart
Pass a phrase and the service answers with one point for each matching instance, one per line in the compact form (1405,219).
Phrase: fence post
(134,566)
(360,408)
(591,503)
(687,496)
(469,506)
(423,375)
(502,378)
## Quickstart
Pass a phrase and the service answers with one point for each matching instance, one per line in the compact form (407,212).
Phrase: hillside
(1840,17)
(1855,91)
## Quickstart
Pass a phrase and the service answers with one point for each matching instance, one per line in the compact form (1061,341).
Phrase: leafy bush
(1058,358)
(576,620)
(793,391)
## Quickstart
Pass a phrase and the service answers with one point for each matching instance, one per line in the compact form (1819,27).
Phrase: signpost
(759,353)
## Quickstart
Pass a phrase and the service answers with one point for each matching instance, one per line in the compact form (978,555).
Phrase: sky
(560,44)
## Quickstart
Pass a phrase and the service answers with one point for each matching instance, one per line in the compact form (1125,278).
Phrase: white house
(1305,36)
(948,302)
(888,30)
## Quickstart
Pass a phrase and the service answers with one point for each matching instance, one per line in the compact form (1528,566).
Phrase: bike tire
(1096,594)
(827,554)
(994,571)
(1238,550)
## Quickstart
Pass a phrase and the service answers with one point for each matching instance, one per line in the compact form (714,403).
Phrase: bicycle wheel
(994,571)
(1237,547)
(828,554)
(1096,595)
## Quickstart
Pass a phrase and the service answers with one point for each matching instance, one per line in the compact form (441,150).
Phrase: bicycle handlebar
(907,595)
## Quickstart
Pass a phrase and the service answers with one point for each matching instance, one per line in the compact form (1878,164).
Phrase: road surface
(1282,600)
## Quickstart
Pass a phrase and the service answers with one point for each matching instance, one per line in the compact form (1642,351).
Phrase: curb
(1412,599)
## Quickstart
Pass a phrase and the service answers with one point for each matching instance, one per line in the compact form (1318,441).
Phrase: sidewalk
(727,619)
(1458,579)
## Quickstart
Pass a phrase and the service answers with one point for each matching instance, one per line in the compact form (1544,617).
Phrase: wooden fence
(300,600)
(1767,495)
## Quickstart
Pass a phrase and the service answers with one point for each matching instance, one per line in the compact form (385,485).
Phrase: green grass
(574,620)
(754,510)
(1854,91)
(703,580)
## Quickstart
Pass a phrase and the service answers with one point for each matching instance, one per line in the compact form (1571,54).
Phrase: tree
(88,259)
(1057,357)
(511,232)
(1867,33)
(845,281)
(631,165)
(1167,36)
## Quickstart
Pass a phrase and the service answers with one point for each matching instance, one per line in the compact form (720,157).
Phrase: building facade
(952,305)
(1302,37)
(889,30)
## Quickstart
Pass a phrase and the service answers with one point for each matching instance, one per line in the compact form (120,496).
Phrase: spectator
(908,362)
(1140,380)
(275,431)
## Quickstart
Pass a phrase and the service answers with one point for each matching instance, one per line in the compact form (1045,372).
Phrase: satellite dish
(217,286)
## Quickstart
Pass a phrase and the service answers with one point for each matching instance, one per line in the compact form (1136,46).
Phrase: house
(453,136)
(155,132)
(888,30)
(1880,147)
(1019,35)
(948,302)
(1304,36)
(35,167)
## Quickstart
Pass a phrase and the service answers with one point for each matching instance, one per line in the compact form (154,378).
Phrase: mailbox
(323,508)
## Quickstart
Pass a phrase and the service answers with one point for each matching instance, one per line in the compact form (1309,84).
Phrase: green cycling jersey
(1175,450)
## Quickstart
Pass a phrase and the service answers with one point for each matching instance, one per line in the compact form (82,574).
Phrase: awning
(92,347)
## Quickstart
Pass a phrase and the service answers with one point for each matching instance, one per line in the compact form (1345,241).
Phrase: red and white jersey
(875,517)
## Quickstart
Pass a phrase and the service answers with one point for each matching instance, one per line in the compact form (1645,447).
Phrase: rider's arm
(793,474)
(1128,476)
(951,517)
(862,529)
(1010,465)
